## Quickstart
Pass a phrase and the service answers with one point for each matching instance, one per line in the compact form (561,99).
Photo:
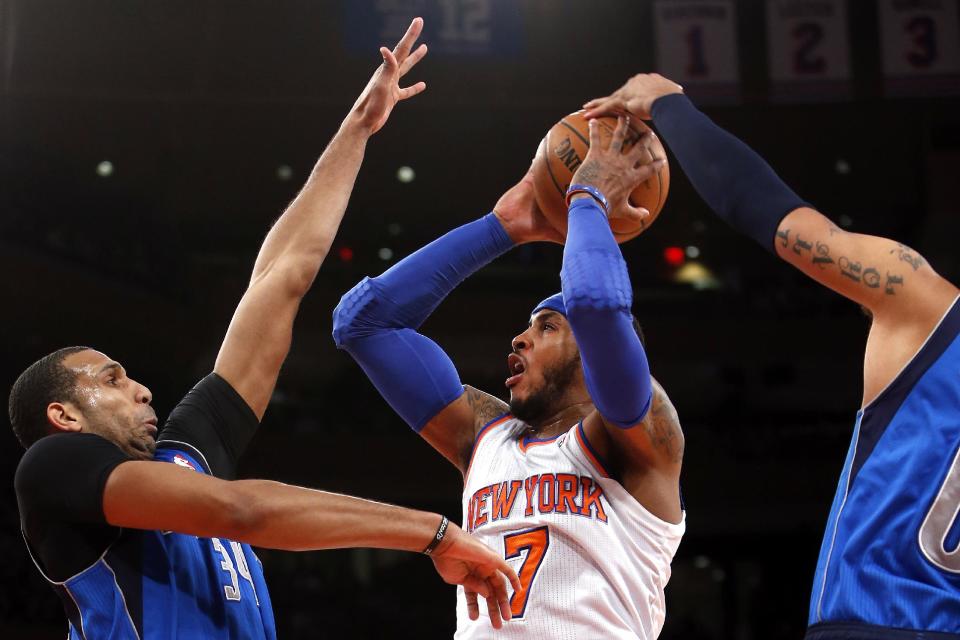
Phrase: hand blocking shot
(575,481)
(889,564)
(145,534)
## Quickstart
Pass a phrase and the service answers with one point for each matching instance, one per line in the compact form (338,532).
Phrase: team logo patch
(183,462)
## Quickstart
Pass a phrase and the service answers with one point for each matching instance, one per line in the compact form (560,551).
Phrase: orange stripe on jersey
(588,450)
(476,443)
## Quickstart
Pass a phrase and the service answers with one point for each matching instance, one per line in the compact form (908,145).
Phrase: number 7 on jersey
(535,542)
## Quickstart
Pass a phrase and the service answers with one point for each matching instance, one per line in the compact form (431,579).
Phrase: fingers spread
(406,42)
(493,609)
(594,128)
(619,133)
(473,609)
(389,61)
(411,91)
(642,149)
(499,587)
(413,59)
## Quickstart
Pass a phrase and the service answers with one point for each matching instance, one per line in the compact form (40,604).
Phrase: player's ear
(64,417)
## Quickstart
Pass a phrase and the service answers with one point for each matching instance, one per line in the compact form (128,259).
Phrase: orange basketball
(563,149)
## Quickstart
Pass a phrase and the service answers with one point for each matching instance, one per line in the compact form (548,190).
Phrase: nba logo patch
(183,462)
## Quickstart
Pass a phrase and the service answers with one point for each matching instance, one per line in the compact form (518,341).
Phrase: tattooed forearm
(485,406)
(908,255)
(784,237)
(662,425)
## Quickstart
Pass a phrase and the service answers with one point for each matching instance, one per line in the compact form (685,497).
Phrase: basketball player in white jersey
(576,481)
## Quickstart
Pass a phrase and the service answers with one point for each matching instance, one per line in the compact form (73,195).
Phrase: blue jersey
(889,565)
(154,584)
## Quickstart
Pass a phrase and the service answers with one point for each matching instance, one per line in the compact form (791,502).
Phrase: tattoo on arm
(588,172)
(784,237)
(908,255)
(485,406)
(663,427)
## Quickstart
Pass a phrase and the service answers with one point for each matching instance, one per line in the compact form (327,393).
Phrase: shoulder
(56,455)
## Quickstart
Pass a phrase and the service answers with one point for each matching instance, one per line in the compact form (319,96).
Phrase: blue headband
(554,303)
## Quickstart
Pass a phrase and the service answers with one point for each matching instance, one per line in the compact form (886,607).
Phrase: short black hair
(43,382)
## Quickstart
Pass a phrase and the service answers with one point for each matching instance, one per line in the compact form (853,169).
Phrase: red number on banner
(698,64)
(809,35)
(535,542)
(924,32)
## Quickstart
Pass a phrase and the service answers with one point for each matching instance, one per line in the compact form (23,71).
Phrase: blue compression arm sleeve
(598,296)
(376,321)
(737,183)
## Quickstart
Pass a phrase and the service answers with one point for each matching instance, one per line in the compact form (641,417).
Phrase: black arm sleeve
(61,477)
(214,420)
(59,485)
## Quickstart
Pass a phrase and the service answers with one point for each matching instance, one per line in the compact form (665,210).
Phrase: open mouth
(516,366)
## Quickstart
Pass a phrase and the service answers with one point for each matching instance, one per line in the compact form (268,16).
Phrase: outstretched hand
(462,559)
(383,92)
(615,172)
(635,97)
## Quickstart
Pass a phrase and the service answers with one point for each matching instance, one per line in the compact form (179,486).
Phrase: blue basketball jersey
(155,584)
(889,565)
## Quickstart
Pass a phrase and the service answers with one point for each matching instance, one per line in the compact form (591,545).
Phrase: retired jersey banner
(696,45)
(459,27)
(809,50)
(921,46)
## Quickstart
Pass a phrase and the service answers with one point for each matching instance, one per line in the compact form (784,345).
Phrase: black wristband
(441,531)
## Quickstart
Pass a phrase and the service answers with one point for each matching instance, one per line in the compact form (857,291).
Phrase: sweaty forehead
(88,361)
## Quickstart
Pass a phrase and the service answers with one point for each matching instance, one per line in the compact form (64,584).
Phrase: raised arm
(905,296)
(258,339)
(279,516)
(631,424)
(376,323)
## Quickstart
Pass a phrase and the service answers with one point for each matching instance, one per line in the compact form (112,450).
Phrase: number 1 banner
(809,49)
(697,47)
(921,47)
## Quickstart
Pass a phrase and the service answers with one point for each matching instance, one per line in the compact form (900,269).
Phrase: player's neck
(560,421)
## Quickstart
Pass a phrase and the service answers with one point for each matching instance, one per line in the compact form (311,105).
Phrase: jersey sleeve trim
(480,435)
(183,447)
(589,451)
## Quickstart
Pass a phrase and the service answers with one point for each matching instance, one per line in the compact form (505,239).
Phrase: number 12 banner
(809,49)
(921,46)
(697,47)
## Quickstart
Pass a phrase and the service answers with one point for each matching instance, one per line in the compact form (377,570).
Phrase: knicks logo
(543,493)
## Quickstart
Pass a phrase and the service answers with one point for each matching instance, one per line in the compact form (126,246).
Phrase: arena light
(284,172)
(345,254)
(674,256)
(105,169)
(385,253)
(406,174)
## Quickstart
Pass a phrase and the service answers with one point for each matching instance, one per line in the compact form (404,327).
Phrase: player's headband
(554,303)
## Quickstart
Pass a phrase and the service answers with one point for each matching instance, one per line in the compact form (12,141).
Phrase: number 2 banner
(696,47)
(809,50)
(921,46)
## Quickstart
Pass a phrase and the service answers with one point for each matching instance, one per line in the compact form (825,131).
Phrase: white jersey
(592,561)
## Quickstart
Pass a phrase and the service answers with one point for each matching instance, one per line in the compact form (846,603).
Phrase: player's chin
(143,448)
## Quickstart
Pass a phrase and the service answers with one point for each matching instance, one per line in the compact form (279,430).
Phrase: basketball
(563,149)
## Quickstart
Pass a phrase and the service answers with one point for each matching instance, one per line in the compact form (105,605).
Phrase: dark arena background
(146,147)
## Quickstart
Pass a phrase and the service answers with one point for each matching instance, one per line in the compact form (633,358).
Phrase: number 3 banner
(921,46)
(697,47)
(809,49)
